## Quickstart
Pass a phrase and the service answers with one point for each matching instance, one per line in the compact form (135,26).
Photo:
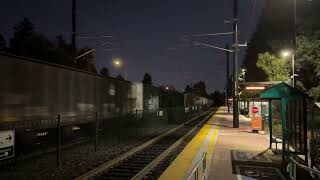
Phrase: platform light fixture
(255,88)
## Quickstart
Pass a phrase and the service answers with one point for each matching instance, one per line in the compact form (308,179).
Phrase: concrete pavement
(241,154)
(232,153)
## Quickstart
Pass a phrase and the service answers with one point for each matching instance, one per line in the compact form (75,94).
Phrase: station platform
(231,153)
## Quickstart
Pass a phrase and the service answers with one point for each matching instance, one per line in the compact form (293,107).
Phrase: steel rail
(116,160)
(163,155)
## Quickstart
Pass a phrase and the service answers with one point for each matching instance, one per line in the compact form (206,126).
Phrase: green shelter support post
(305,126)
(289,109)
(283,119)
(270,122)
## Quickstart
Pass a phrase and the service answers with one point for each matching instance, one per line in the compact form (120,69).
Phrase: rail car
(33,89)
(33,93)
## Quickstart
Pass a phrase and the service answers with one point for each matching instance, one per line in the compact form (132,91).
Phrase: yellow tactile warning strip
(204,141)
(211,148)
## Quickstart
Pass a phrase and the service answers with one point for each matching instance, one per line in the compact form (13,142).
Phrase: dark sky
(145,33)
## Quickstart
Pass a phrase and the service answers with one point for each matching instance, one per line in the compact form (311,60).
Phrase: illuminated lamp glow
(255,88)
(75,128)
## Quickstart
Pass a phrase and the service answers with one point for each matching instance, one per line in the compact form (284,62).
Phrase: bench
(276,140)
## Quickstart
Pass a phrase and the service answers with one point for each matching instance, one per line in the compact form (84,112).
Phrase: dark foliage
(200,89)
(29,43)
(120,77)
(188,89)
(3,45)
(147,79)
(274,25)
(218,98)
(104,71)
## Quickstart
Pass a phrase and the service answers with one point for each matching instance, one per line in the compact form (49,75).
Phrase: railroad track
(138,162)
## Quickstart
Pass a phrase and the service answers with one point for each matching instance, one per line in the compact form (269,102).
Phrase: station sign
(7,142)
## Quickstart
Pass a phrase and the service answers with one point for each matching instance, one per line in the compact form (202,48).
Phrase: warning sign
(256,123)
(7,139)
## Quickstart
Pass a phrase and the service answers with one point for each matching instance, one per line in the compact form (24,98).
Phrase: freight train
(33,90)
(33,94)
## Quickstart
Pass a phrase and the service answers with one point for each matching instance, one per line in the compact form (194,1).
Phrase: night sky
(145,33)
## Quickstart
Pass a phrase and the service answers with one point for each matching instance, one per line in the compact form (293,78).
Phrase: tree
(274,23)
(275,68)
(218,98)
(307,47)
(27,42)
(61,51)
(147,79)
(2,43)
(21,34)
(307,50)
(200,89)
(307,64)
(104,71)
(242,75)
(188,89)
(314,92)
(120,77)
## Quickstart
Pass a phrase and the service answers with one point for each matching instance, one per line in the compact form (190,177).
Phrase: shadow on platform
(262,165)
(219,125)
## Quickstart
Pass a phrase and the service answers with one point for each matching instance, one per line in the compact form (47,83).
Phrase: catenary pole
(73,33)
(235,59)
(227,79)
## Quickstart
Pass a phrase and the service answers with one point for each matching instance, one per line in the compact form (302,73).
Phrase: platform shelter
(293,119)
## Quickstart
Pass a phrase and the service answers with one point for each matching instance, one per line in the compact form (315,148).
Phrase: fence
(198,172)
(313,117)
(65,114)
(94,131)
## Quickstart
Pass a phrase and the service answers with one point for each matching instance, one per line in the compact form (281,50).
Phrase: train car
(33,94)
(192,101)
(32,89)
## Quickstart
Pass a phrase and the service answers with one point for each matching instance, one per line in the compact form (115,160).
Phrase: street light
(285,54)
(118,63)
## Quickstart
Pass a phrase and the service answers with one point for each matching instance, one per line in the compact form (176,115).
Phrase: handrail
(293,171)
(196,168)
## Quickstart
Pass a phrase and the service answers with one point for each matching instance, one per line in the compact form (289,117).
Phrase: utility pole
(227,79)
(235,64)
(73,33)
(294,39)
(235,52)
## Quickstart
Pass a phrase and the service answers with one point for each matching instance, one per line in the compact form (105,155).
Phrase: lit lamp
(255,88)
(118,63)
(286,54)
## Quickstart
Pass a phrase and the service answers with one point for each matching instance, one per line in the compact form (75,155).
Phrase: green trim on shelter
(281,90)
(286,94)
